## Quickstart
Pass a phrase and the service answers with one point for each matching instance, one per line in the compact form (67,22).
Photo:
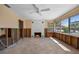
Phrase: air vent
(7,5)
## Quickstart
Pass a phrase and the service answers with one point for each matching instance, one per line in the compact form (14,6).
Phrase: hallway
(39,46)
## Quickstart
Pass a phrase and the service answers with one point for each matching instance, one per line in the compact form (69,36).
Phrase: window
(50,26)
(65,25)
(57,26)
(74,24)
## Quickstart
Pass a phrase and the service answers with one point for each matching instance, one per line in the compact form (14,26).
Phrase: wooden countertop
(70,34)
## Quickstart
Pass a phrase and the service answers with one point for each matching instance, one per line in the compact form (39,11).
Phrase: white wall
(38,26)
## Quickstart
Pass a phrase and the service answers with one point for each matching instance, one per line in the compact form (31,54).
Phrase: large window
(74,24)
(69,25)
(65,25)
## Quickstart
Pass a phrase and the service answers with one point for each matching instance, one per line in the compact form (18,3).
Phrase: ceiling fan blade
(7,5)
(37,9)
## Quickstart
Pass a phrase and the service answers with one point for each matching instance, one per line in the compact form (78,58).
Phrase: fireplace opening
(37,34)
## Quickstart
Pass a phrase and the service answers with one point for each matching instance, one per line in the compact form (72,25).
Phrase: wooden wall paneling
(12,35)
(21,33)
(28,32)
(15,35)
(18,34)
(3,42)
(45,32)
(25,32)
(6,31)
(5,39)
(10,38)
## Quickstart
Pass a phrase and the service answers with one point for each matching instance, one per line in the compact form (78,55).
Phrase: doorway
(21,28)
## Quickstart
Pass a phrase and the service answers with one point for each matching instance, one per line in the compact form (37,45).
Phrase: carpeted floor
(39,46)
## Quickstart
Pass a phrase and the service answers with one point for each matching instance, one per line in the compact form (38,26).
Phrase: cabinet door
(74,42)
(68,39)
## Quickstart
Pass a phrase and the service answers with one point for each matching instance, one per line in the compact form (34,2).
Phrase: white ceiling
(25,10)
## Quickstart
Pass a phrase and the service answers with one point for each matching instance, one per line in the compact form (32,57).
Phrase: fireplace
(37,34)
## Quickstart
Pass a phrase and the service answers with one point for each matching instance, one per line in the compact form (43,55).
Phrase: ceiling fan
(37,10)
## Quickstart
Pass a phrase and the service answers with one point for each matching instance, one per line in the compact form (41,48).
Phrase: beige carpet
(39,46)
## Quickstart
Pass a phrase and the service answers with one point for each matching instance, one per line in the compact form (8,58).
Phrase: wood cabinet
(75,41)
(70,39)
(49,34)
